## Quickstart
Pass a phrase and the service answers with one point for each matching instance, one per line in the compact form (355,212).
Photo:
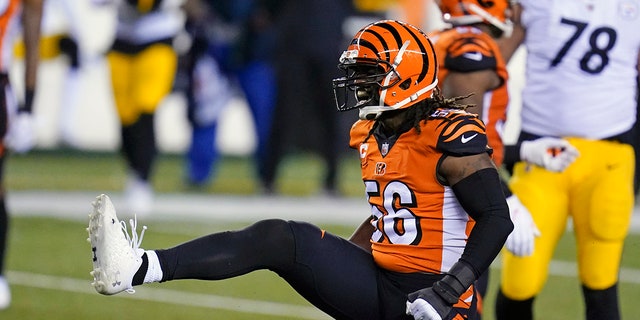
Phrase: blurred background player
(309,37)
(143,66)
(231,55)
(18,136)
(582,70)
(471,66)
(65,41)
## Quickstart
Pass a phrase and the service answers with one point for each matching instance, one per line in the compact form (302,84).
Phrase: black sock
(601,304)
(509,309)
(138,278)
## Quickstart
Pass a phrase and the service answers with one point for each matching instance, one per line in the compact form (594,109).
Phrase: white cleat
(139,196)
(5,293)
(116,255)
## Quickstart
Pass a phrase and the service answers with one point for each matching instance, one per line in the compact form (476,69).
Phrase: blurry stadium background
(50,191)
(94,122)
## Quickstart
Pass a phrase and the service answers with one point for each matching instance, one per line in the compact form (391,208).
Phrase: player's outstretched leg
(116,255)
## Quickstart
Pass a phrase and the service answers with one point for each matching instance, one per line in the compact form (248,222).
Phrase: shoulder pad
(468,54)
(462,134)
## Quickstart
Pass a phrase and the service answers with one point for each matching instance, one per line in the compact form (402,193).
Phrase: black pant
(332,273)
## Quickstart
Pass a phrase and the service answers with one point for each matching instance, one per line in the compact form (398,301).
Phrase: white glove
(552,154)
(21,135)
(420,309)
(521,240)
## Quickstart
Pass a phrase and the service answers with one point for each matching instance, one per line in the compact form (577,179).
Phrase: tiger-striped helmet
(466,12)
(389,65)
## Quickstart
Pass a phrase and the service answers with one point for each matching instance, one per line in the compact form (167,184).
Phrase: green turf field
(49,259)
(299,175)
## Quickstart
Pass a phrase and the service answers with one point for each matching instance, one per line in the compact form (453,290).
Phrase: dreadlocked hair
(423,109)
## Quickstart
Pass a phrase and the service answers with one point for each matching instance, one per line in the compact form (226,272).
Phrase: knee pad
(276,237)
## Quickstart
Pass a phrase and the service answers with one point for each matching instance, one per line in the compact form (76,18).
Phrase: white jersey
(140,28)
(581,67)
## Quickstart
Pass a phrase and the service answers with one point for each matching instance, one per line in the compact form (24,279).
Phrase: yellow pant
(140,81)
(49,47)
(596,191)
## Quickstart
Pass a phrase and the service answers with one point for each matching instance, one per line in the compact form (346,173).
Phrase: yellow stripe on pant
(49,47)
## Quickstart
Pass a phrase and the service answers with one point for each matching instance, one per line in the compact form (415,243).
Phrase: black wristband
(455,283)
(28,101)
(445,291)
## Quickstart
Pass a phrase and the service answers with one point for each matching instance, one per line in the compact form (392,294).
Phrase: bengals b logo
(381,168)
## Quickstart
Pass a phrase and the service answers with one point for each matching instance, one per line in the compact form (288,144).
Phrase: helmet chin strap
(373,112)
(370,112)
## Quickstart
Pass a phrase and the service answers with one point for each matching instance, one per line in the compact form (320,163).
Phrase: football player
(582,68)
(143,65)
(471,65)
(18,135)
(438,215)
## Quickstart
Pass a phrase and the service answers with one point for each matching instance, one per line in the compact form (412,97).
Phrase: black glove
(442,295)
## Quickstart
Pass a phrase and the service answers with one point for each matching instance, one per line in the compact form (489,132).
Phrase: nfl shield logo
(385,149)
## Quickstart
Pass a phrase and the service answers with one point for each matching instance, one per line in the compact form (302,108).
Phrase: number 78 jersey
(420,225)
(581,67)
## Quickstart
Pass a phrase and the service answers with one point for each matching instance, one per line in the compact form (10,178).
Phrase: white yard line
(42,281)
(350,211)
(76,205)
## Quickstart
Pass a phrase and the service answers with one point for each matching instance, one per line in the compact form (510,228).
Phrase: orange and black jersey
(9,27)
(420,225)
(467,49)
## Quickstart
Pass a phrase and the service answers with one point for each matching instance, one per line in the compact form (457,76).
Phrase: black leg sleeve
(333,274)
(266,244)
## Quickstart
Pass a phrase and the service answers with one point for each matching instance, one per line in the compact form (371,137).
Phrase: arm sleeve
(481,195)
